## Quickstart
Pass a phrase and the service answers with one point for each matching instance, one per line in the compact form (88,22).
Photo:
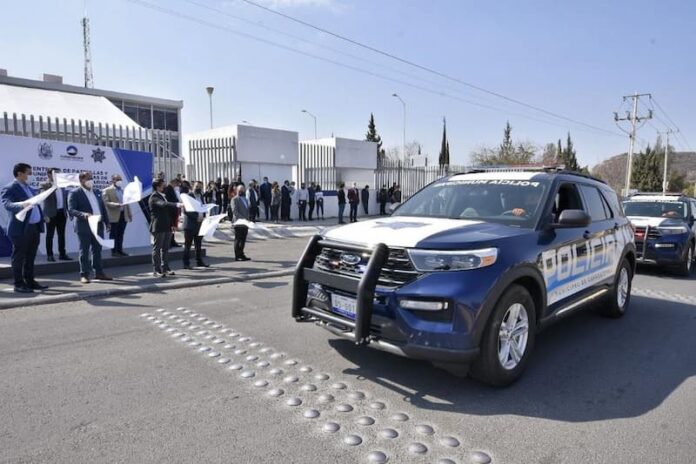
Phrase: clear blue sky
(573,58)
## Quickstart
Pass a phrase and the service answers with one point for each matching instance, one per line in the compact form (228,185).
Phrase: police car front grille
(396,272)
(653,233)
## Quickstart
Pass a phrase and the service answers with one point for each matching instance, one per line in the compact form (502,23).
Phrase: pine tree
(373,136)
(507,150)
(444,159)
(568,156)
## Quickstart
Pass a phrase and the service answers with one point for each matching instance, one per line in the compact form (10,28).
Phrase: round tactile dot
(339,386)
(209,323)
(181,308)
(160,310)
(263,364)
(218,341)
(294,401)
(445,461)
(309,387)
(388,433)
(202,332)
(252,357)
(176,334)
(322,377)
(204,349)
(290,362)
(185,324)
(239,351)
(166,313)
(213,354)
(275,371)
(331,427)
(344,407)
(210,337)
(254,344)
(276,392)
(261,383)
(264,350)
(217,326)
(479,457)
(223,360)
(247,374)
(311,414)
(352,440)
(449,441)
(424,429)
(400,417)
(235,367)
(417,448)
(195,344)
(291,379)
(356,395)
(229,346)
(365,420)
(276,355)
(377,405)
(185,339)
(377,457)
(305,369)
(170,330)
(325,398)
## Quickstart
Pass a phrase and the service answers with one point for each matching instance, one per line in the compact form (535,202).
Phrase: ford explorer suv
(468,270)
(664,229)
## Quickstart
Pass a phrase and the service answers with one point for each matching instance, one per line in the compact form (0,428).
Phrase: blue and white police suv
(470,268)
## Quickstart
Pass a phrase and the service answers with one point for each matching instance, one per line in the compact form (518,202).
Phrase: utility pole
(87,50)
(665,182)
(634,119)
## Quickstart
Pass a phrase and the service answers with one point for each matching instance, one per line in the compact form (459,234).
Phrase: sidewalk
(270,258)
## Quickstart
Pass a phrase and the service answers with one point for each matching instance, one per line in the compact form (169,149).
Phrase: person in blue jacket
(25,235)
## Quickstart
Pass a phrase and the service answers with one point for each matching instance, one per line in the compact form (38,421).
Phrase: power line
(426,68)
(678,130)
(344,65)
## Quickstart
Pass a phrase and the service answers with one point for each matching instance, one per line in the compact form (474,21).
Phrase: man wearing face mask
(24,234)
(171,192)
(161,228)
(240,210)
(55,209)
(84,202)
(119,214)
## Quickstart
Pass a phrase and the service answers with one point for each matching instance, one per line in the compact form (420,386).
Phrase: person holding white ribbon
(24,231)
(84,202)
(119,213)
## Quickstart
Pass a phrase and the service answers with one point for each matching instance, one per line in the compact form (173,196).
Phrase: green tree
(373,136)
(444,159)
(568,156)
(646,174)
(506,153)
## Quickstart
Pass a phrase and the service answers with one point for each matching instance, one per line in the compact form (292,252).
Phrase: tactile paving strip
(336,408)
(661,295)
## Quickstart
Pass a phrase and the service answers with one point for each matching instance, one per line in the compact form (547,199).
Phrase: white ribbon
(191,205)
(94,227)
(133,192)
(33,201)
(67,179)
(210,224)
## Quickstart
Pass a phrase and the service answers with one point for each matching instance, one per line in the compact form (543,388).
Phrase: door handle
(586,234)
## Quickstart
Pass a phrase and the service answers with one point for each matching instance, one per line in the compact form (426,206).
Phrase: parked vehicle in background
(664,229)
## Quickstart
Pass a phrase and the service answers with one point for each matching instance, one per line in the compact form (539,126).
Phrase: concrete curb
(134,289)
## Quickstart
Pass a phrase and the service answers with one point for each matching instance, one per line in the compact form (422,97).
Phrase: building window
(172,121)
(158,119)
(131,112)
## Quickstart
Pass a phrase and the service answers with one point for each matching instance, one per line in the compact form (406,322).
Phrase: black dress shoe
(123,254)
(36,286)
(22,289)
(65,258)
(202,264)
(50,259)
(188,266)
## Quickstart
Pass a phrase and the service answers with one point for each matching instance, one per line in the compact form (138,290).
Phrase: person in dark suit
(382,197)
(253,195)
(312,191)
(192,225)
(225,186)
(341,195)
(84,202)
(161,211)
(365,198)
(55,211)
(353,201)
(171,191)
(240,210)
(266,196)
(285,201)
(25,235)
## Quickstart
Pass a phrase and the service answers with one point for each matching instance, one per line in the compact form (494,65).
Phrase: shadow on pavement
(585,368)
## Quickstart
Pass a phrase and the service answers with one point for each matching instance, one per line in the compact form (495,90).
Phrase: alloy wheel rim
(622,293)
(513,336)
(690,259)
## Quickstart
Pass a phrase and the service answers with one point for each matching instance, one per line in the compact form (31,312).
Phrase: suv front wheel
(684,268)
(620,294)
(508,339)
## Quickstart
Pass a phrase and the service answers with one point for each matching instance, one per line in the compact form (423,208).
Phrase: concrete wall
(266,146)
(352,153)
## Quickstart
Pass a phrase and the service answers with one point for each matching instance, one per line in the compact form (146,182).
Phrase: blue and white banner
(70,157)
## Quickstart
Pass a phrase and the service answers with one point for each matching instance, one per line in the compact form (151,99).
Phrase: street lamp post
(210,96)
(315,122)
(403,140)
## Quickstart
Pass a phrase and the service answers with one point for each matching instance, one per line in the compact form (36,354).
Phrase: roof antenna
(87,48)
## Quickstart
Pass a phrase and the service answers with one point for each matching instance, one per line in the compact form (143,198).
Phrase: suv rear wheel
(508,339)
(620,294)
(685,266)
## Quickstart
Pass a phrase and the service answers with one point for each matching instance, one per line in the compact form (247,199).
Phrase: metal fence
(211,159)
(411,178)
(157,142)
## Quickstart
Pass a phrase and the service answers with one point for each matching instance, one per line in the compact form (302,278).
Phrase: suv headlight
(433,260)
(673,230)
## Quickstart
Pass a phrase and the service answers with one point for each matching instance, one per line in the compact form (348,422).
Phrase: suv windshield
(513,202)
(665,209)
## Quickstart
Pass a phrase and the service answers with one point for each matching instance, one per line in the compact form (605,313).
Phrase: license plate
(344,305)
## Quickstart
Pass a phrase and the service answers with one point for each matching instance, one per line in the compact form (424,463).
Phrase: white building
(250,151)
(333,160)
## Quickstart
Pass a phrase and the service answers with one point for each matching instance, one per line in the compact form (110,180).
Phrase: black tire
(488,368)
(686,266)
(612,307)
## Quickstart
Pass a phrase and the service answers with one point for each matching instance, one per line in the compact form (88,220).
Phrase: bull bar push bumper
(363,288)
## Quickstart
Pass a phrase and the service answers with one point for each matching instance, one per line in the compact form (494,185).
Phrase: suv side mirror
(570,218)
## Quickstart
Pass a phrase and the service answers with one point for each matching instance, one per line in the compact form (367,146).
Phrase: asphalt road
(98,381)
